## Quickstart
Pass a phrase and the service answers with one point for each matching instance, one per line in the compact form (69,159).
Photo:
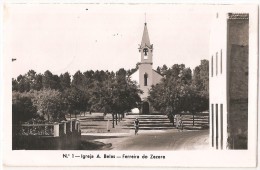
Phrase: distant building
(145,76)
(228,81)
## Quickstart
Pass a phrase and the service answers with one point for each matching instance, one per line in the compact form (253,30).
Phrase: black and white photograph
(131,84)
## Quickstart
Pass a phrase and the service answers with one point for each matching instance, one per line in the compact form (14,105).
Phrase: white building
(228,81)
(145,76)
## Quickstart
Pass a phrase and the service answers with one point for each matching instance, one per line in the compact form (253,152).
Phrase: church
(145,76)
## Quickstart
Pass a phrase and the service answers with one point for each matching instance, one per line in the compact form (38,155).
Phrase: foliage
(49,104)
(50,81)
(22,108)
(65,81)
(162,70)
(103,91)
(180,91)
(74,101)
(200,83)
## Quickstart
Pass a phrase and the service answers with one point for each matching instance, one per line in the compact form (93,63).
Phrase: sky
(72,37)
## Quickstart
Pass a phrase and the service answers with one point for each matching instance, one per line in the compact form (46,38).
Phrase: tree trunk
(70,116)
(119,117)
(113,120)
(116,118)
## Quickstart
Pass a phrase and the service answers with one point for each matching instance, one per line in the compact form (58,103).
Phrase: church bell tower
(145,76)
(146,63)
(146,48)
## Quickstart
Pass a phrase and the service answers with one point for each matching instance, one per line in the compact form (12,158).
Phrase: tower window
(145,79)
(145,50)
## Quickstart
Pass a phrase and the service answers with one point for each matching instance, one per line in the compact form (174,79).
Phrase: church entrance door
(145,108)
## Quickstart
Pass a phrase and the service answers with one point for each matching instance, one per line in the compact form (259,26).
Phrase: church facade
(146,76)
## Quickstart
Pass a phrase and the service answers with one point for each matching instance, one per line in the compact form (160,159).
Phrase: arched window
(145,50)
(145,79)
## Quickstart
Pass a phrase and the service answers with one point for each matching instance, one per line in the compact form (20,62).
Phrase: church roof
(145,39)
(158,73)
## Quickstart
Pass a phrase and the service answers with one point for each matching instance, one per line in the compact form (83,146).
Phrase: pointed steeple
(145,39)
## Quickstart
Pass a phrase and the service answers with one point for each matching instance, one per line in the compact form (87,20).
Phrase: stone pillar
(56,130)
(75,124)
(70,125)
(78,127)
(64,123)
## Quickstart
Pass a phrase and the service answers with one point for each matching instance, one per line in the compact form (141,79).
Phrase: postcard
(130,84)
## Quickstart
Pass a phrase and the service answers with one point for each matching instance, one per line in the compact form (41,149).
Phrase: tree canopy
(180,90)
(100,91)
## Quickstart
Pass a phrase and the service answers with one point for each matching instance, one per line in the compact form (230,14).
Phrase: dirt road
(157,140)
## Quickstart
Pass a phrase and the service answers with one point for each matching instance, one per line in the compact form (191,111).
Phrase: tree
(47,81)
(37,85)
(200,89)
(65,81)
(74,101)
(35,80)
(169,96)
(14,85)
(49,103)
(127,93)
(131,71)
(50,81)
(23,84)
(115,94)
(22,108)
(162,70)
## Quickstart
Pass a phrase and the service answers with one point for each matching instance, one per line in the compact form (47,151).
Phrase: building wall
(156,77)
(145,68)
(238,37)
(228,82)
(135,77)
(218,82)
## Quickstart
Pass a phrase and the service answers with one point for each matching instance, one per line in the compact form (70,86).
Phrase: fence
(62,135)
(55,129)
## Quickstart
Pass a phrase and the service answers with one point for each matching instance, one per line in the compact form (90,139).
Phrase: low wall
(65,135)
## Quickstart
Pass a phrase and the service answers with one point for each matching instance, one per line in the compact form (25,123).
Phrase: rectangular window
(221,126)
(212,66)
(216,126)
(212,123)
(216,63)
(221,61)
